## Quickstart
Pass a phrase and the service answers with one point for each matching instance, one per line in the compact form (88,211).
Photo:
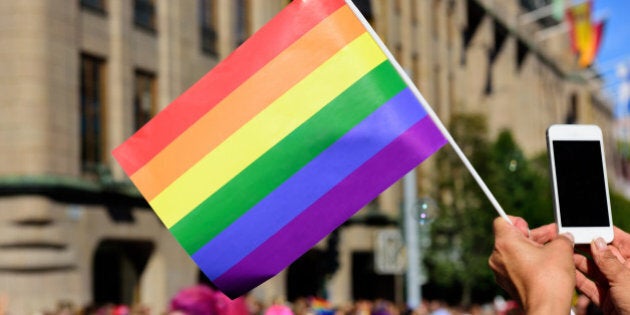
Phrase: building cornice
(73,190)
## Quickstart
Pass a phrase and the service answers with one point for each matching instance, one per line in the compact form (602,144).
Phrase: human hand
(544,234)
(606,278)
(541,276)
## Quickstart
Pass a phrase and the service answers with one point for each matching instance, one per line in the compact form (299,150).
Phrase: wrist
(548,308)
(547,303)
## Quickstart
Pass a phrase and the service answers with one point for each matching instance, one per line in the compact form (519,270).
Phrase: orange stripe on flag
(273,80)
(291,23)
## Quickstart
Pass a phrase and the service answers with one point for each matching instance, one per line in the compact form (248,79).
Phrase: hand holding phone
(579,182)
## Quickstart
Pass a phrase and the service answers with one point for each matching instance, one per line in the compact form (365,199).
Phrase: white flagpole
(543,12)
(552,31)
(431,113)
(536,15)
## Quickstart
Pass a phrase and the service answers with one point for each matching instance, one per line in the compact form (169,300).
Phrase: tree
(521,186)
(462,236)
(620,209)
(457,257)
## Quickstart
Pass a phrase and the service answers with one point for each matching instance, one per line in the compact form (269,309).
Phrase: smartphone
(579,182)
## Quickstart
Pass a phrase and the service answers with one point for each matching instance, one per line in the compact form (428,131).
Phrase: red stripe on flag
(270,40)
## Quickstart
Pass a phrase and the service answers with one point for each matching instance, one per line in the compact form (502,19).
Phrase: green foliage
(460,240)
(522,187)
(462,234)
(620,209)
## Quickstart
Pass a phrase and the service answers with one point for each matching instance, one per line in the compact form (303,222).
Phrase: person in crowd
(540,270)
(279,309)
(203,300)
(4,303)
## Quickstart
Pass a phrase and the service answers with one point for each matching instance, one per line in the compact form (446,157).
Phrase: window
(435,19)
(437,86)
(521,53)
(365,7)
(416,67)
(92,112)
(242,21)
(144,14)
(208,20)
(413,8)
(571,116)
(144,104)
(500,36)
(489,87)
(474,16)
(95,5)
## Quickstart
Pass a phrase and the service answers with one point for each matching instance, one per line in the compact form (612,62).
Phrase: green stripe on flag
(287,157)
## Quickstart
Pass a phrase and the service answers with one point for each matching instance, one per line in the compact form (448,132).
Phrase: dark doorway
(117,267)
(366,284)
(305,276)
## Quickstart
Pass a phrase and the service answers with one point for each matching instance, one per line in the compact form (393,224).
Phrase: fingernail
(600,243)
(569,236)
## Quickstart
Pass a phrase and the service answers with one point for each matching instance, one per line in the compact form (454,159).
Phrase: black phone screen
(580,183)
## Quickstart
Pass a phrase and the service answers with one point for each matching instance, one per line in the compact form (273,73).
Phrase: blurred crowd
(203,300)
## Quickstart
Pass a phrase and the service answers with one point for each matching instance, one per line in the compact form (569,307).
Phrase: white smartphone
(579,182)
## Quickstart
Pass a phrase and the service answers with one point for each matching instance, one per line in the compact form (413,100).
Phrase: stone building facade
(79,76)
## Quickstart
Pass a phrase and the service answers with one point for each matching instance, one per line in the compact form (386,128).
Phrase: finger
(584,249)
(496,264)
(505,284)
(493,262)
(621,241)
(560,250)
(563,242)
(588,268)
(544,234)
(502,228)
(505,234)
(581,263)
(587,287)
(617,254)
(569,237)
(521,225)
(605,259)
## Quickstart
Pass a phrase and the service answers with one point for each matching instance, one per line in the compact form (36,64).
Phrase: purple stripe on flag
(309,184)
(339,204)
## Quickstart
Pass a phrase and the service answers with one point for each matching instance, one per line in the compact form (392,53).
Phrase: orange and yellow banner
(585,34)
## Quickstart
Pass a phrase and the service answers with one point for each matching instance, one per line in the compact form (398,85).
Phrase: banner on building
(585,34)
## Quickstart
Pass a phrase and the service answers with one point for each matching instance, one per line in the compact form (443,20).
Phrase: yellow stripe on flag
(292,65)
(266,129)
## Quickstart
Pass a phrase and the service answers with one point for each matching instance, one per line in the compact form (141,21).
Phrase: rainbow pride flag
(280,143)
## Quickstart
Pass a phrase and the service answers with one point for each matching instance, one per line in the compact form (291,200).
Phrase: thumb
(503,228)
(564,241)
(605,259)
(562,244)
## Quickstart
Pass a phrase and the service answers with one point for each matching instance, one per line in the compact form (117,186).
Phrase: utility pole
(410,192)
